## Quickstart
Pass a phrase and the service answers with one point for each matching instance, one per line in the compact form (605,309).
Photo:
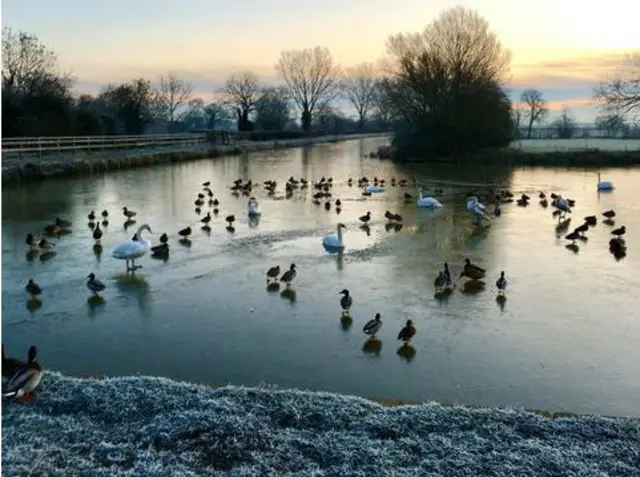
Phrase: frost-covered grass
(576,144)
(140,426)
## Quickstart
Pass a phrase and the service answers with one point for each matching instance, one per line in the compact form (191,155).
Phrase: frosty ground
(152,427)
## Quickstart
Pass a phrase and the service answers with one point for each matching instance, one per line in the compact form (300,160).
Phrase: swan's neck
(340,233)
(138,234)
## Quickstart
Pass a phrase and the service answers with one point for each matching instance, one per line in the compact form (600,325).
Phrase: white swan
(374,189)
(562,205)
(253,208)
(604,185)
(476,209)
(134,248)
(334,240)
(429,202)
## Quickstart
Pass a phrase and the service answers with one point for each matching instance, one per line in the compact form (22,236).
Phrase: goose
(97,233)
(407,333)
(253,209)
(620,231)
(373,326)
(91,216)
(94,285)
(205,220)
(128,213)
(134,248)
(604,185)
(185,232)
(428,202)
(289,275)
(33,289)
(272,273)
(10,366)
(447,274)
(346,301)
(365,218)
(23,384)
(472,271)
(334,240)
(230,219)
(476,209)
(501,284)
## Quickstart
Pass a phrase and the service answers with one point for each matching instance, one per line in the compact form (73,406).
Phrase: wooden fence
(40,146)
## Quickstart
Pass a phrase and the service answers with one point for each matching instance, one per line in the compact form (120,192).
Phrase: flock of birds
(25,376)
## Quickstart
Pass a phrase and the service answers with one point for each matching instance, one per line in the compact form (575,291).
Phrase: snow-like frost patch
(152,427)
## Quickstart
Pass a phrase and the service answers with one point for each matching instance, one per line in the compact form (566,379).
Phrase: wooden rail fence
(40,146)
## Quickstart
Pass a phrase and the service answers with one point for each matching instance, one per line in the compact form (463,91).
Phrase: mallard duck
(592,220)
(573,236)
(45,245)
(407,333)
(62,223)
(582,228)
(501,284)
(609,214)
(206,184)
(164,238)
(205,220)
(231,219)
(91,216)
(160,250)
(94,285)
(440,281)
(185,232)
(472,271)
(620,231)
(289,275)
(32,242)
(128,213)
(105,213)
(97,233)
(346,301)
(373,326)
(542,195)
(25,381)
(272,273)
(33,289)
(365,218)
(10,366)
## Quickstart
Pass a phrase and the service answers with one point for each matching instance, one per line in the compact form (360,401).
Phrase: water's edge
(15,170)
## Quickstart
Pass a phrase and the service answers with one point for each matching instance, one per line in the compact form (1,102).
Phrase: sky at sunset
(561,47)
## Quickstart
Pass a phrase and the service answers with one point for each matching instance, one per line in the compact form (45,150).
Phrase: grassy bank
(141,426)
(16,169)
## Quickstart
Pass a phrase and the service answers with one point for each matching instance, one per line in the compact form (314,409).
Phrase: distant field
(550,145)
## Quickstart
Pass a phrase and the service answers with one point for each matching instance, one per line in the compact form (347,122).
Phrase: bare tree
(273,109)
(517,114)
(241,93)
(621,92)
(565,125)
(359,85)
(172,93)
(312,79)
(26,62)
(612,124)
(537,107)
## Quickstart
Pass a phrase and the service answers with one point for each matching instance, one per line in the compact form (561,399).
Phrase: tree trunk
(530,126)
(306,120)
